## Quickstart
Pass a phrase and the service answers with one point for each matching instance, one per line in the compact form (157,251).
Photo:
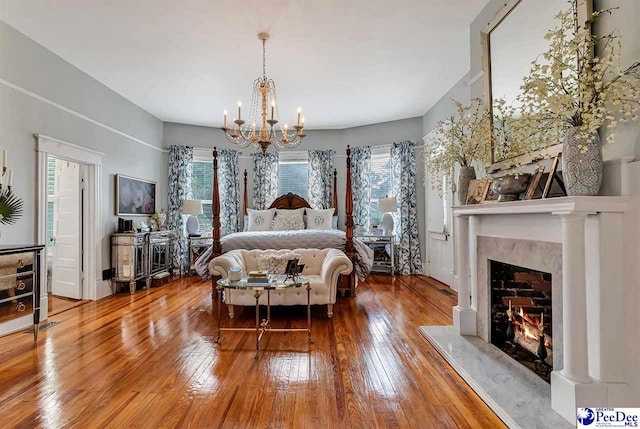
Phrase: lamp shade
(192,207)
(387,205)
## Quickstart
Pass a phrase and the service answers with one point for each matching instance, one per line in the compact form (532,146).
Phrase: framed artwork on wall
(135,197)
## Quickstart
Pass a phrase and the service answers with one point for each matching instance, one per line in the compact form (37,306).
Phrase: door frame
(92,208)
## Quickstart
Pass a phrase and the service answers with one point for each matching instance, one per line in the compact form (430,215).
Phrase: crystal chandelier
(260,130)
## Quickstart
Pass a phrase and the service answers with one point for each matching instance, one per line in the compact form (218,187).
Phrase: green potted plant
(580,85)
(462,139)
(11,207)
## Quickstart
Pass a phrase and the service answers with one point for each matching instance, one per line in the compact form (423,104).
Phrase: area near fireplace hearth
(534,254)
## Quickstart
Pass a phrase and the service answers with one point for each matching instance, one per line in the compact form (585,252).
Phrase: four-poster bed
(292,201)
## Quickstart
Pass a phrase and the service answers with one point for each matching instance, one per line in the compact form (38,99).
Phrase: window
(293,176)
(202,189)
(380,184)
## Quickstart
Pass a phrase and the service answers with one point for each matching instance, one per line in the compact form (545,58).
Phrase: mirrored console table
(19,287)
(140,256)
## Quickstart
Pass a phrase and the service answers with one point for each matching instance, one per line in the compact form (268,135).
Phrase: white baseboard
(103,289)
(426,268)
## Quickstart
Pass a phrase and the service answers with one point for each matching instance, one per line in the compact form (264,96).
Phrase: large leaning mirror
(511,42)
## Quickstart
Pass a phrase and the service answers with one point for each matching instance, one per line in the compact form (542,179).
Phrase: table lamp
(387,206)
(191,208)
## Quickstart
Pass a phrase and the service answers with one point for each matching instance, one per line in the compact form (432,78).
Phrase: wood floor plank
(150,360)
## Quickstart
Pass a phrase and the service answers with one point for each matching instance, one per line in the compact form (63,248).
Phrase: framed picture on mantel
(135,197)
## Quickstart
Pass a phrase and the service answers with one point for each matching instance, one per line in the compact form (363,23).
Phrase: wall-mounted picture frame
(135,197)
(477,191)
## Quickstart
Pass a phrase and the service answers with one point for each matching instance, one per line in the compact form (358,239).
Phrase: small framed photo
(533,184)
(135,197)
(292,267)
(492,196)
(477,191)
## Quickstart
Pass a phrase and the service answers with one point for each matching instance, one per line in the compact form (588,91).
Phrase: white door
(439,233)
(67,249)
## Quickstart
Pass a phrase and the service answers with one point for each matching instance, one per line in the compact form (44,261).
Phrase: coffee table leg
(257,297)
(309,312)
(219,293)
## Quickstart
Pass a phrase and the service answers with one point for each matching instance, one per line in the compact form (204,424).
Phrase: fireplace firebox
(521,316)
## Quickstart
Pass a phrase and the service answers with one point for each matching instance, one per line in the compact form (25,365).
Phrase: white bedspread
(300,239)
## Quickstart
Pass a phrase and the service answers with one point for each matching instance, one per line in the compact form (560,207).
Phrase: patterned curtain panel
(321,179)
(229,186)
(180,168)
(361,184)
(403,186)
(265,179)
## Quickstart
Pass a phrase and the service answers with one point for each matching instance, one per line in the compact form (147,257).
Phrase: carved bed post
(348,208)
(335,192)
(245,201)
(215,206)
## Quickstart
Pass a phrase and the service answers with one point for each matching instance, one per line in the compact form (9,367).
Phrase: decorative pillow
(287,223)
(260,220)
(319,219)
(275,262)
(334,222)
(290,213)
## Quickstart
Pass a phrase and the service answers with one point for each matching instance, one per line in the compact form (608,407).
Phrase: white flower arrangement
(461,139)
(579,80)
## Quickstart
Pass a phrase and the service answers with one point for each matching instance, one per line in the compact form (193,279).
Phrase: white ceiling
(346,62)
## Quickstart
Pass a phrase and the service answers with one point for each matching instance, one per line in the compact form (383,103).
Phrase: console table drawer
(17,307)
(16,285)
(17,261)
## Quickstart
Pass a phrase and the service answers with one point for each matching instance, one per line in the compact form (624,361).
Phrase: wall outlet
(107,274)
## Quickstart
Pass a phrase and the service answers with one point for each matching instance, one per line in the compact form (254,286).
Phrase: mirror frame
(584,9)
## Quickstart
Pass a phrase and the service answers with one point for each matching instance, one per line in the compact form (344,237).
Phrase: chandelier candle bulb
(273,106)
(10,183)
(239,110)
(225,119)
(4,159)
(299,111)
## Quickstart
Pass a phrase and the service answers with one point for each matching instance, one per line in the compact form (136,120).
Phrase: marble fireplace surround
(581,242)
(535,255)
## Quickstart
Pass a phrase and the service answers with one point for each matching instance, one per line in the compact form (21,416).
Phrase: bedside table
(197,246)
(382,262)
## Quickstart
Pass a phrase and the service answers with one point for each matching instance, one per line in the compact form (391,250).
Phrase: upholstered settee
(323,267)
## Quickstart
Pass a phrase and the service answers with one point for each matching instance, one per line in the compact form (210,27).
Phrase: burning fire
(527,328)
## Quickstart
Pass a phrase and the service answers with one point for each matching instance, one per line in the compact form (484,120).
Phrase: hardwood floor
(58,304)
(149,360)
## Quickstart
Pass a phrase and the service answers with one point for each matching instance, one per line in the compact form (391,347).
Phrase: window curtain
(321,179)
(180,169)
(229,187)
(265,179)
(403,186)
(361,185)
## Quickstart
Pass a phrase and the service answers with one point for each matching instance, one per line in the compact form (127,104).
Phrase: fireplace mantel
(591,231)
(547,205)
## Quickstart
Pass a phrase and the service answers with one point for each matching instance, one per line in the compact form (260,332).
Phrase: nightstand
(383,261)
(197,246)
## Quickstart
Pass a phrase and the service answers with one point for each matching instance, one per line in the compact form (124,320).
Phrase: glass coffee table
(264,325)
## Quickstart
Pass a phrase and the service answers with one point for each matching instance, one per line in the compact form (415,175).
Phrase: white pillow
(287,223)
(290,213)
(275,262)
(260,220)
(319,219)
